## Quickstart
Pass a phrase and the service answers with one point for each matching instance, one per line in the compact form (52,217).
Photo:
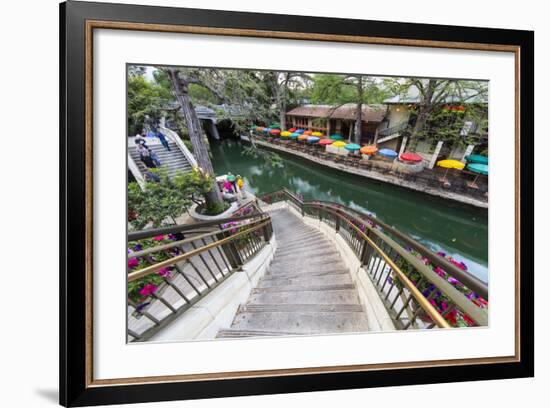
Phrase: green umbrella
(479,169)
(352,147)
(477,159)
(336,137)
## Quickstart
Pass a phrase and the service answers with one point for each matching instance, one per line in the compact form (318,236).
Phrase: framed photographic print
(256,203)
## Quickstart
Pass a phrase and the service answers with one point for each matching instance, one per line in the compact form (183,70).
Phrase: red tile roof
(370,113)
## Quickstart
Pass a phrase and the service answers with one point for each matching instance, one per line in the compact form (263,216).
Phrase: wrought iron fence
(171,269)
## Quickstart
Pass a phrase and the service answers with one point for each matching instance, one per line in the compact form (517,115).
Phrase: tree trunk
(425,108)
(282,114)
(196,135)
(359,111)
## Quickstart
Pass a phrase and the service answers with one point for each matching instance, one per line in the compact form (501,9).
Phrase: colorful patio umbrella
(260,129)
(299,131)
(292,130)
(352,147)
(369,150)
(294,136)
(388,153)
(336,137)
(478,168)
(318,134)
(303,137)
(410,157)
(275,126)
(274,132)
(267,130)
(286,133)
(312,139)
(451,164)
(339,144)
(477,158)
(325,142)
(308,132)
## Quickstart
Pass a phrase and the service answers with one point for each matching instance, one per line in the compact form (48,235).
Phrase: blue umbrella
(294,135)
(313,139)
(388,153)
(267,130)
(300,131)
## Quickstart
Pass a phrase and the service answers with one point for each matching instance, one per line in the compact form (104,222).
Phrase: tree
(432,120)
(281,84)
(165,199)
(180,81)
(338,90)
(146,100)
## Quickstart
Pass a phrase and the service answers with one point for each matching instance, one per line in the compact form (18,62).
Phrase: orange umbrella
(303,137)
(308,132)
(369,150)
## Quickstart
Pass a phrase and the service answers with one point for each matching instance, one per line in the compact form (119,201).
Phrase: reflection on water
(440,225)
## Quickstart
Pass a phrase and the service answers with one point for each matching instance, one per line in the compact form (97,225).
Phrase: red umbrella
(274,131)
(324,142)
(292,129)
(411,157)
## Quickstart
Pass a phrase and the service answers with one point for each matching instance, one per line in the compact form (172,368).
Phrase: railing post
(230,251)
(337,223)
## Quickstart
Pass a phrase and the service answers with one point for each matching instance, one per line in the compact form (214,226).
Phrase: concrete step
(303,239)
(297,297)
(327,253)
(306,264)
(234,333)
(301,323)
(301,248)
(306,275)
(332,279)
(301,308)
(300,288)
(314,270)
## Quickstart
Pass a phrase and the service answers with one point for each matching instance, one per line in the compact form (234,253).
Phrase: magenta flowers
(132,263)
(148,289)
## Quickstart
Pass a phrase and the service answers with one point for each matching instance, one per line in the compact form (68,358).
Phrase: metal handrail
(427,274)
(193,274)
(466,278)
(168,262)
(172,229)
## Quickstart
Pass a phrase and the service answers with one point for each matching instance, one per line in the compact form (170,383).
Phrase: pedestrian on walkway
(145,156)
(233,180)
(227,186)
(240,185)
(163,140)
(155,158)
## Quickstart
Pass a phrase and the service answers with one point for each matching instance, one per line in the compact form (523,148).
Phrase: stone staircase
(307,289)
(172,160)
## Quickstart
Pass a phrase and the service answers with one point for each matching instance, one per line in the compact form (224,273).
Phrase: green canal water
(441,225)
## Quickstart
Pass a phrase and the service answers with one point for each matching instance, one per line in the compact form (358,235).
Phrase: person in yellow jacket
(240,185)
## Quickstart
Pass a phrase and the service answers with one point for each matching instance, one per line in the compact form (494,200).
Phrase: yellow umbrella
(339,143)
(286,133)
(451,164)
(318,134)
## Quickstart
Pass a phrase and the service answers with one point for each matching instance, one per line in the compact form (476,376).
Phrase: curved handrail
(171,229)
(466,278)
(344,215)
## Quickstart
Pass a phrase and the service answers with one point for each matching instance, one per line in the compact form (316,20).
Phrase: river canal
(441,225)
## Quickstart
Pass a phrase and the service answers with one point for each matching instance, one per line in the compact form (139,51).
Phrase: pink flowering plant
(141,289)
(440,301)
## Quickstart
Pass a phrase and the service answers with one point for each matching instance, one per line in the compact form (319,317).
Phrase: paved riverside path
(306,290)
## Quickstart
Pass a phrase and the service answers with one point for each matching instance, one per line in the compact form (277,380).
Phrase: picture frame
(78,20)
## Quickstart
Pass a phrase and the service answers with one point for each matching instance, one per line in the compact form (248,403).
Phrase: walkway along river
(441,225)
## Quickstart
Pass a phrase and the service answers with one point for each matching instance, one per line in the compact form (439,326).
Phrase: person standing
(145,156)
(163,140)
(232,179)
(240,185)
